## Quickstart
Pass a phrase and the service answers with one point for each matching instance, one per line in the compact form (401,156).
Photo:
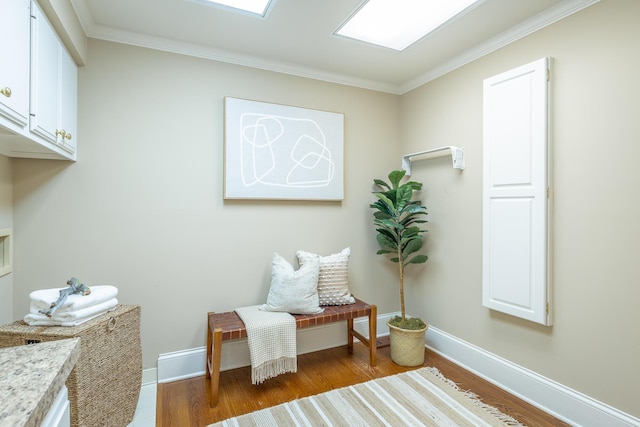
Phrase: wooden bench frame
(228,326)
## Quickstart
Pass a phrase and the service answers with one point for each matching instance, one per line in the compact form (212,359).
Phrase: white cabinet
(59,415)
(14,64)
(516,206)
(68,102)
(54,81)
(38,86)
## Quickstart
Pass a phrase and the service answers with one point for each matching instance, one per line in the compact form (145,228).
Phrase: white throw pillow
(333,278)
(292,291)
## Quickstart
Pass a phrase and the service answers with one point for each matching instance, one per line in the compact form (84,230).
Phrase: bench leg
(215,369)
(372,341)
(373,335)
(207,362)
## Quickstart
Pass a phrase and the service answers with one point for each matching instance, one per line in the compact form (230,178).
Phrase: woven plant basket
(407,346)
(104,385)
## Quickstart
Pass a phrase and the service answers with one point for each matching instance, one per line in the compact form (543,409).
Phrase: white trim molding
(149,376)
(190,363)
(553,14)
(556,399)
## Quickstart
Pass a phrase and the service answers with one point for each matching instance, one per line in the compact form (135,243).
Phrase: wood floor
(186,403)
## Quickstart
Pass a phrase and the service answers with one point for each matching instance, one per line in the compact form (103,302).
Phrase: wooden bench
(228,326)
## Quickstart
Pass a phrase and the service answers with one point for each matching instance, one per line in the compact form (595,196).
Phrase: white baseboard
(149,376)
(560,401)
(184,364)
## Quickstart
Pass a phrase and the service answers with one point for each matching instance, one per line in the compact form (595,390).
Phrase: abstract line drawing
(307,160)
(280,152)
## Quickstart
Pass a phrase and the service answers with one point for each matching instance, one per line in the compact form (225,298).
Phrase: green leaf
(410,232)
(387,201)
(382,215)
(385,242)
(382,207)
(414,208)
(412,246)
(396,176)
(414,185)
(389,235)
(418,259)
(403,197)
(381,183)
(391,223)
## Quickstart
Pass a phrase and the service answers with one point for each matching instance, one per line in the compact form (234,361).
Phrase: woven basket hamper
(104,386)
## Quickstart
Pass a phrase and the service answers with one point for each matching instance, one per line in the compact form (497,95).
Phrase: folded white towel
(72,318)
(42,299)
(42,320)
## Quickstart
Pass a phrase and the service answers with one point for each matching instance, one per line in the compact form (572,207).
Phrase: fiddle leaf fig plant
(397,219)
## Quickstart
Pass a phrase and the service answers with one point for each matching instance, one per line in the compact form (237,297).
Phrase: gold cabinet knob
(6,91)
(63,134)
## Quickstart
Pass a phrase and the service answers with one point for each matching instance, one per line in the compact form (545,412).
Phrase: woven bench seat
(228,326)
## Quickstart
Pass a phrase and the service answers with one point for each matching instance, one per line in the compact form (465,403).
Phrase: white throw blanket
(70,318)
(42,299)
(272,342)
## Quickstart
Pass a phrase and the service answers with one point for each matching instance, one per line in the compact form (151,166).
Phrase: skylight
(258,7)
(397,24)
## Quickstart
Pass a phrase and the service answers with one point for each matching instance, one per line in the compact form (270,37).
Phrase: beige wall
(6,221)
(594,345)
(143,208)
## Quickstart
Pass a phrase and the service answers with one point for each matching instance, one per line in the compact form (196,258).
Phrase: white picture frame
(280,152)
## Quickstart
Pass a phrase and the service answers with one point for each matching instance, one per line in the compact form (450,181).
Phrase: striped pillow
(333,280)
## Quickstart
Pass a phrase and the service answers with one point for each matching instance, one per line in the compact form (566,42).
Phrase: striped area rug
(423,397)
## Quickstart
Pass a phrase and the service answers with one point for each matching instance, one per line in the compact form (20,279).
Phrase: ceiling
(297,36)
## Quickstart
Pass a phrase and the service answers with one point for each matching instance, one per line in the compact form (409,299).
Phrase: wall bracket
(457,157)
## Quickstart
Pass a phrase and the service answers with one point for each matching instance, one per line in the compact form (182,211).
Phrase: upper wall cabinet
(38,104)
(54,81)
(14,69)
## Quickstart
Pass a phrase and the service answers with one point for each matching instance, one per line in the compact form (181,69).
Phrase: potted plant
(397,219)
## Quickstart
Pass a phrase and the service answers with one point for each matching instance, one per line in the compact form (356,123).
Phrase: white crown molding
(530,26)
(550,16)
(84,16)
(199,51)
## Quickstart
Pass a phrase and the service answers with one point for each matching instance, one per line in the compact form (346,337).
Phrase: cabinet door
(14,63)
(59,414)
(68,102)
(54,80)
(45,78)
(515,193)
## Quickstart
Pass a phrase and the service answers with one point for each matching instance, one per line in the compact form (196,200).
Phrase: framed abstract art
(280,152)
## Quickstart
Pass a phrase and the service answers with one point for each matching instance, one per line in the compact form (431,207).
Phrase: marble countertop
(31,376)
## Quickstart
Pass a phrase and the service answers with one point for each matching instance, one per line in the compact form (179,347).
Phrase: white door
(515,192)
